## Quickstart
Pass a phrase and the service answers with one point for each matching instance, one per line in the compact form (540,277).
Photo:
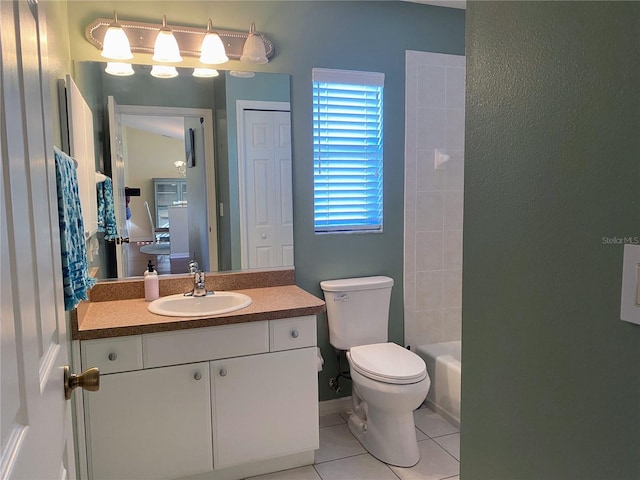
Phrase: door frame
(241,107)
(207,114)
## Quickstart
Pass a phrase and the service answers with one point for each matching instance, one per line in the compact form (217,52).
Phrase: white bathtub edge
(444,369)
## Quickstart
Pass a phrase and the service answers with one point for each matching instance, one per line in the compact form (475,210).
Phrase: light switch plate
(630,297)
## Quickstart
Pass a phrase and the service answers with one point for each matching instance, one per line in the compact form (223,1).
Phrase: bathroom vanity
(222,397)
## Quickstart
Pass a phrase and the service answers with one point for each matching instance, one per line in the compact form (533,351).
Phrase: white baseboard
(263,467)
(337,405)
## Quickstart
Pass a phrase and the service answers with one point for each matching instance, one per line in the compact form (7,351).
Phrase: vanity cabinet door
(150,423)
(264,406)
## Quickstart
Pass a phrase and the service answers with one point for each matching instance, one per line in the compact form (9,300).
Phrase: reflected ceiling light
(116,44)
(166,48)
(181,166)
(205,72)
(254,50)
(119,69)
(164,71)
(212,50)
(241,74)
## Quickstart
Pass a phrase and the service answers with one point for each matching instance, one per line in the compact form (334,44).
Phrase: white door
(35,418)
(118,174)
(268,230)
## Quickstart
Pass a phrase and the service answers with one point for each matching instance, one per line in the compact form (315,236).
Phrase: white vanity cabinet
(263,406)
(150,423)
(207,400)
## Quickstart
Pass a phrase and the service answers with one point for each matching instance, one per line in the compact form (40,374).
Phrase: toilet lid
(387,362)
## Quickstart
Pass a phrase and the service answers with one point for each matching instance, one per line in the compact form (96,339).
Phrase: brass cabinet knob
(89,380)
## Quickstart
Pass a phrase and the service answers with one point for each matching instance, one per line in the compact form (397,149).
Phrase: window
(347,151)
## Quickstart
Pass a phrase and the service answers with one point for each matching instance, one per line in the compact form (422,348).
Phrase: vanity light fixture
(254,50)
(116,44)
(241,74)
(166,48)
(119,69)
(212,50)
(164,71)
(205,72)
(142,38)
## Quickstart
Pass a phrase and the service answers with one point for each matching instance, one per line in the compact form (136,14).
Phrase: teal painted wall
(551,377)
(369,36)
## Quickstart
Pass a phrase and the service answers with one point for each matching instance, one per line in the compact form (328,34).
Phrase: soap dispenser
(151,284)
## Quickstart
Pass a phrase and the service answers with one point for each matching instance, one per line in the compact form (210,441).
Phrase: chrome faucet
(193,266)
(199,289)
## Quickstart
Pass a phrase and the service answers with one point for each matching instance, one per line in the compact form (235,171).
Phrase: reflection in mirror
(211,158)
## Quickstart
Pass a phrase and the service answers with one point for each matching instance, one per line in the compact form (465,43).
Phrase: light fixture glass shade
(166,46)
(254,50)
(164,71)
(119,69)
(115,44)
(212,50)
(205,72)
(241,74)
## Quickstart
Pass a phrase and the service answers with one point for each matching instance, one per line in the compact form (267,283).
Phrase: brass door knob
(120,240)
(88,380)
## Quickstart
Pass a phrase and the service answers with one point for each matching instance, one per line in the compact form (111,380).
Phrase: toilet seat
(388,363)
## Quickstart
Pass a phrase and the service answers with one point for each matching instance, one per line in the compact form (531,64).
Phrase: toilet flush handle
(341,298)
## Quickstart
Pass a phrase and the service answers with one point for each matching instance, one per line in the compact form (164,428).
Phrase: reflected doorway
(167,162)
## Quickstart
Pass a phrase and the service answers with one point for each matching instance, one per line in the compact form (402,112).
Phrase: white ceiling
(167,126)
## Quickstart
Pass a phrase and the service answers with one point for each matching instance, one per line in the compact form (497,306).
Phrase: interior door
(35,418)
(119,184)
(268,233)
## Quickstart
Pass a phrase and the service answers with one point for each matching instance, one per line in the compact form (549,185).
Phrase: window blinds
(348,145)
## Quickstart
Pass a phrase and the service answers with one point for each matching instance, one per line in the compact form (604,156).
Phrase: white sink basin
(213,304)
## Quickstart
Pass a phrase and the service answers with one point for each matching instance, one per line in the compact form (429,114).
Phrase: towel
(75,272)
(106,210)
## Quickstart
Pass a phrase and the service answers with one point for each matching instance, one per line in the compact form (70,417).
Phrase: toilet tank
(357,310)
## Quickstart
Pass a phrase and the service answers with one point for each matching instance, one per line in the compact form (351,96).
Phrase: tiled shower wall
(433,197)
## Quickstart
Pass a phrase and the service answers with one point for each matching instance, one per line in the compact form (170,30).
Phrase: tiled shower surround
(433,197)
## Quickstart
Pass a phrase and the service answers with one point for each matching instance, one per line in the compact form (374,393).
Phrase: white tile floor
(342,457)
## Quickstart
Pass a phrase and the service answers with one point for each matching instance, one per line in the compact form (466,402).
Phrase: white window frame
(362,210)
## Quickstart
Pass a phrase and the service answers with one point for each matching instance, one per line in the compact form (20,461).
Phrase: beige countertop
(131,317)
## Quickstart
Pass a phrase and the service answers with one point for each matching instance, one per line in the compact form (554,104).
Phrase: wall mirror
(206,163)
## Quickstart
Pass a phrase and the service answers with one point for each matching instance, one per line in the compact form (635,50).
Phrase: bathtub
(444,367)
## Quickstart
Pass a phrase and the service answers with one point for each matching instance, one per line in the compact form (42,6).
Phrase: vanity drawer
(112,355)
(290,333)
(202,344)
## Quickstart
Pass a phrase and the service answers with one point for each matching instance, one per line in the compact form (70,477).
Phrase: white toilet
(389,381)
